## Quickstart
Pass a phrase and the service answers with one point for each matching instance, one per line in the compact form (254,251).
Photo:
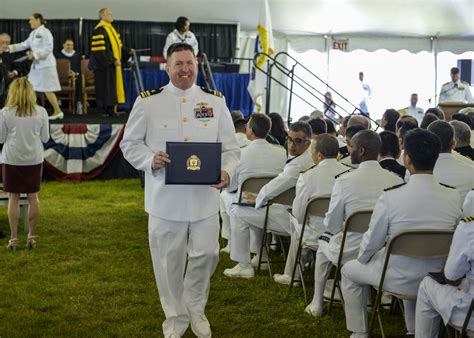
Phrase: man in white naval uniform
(449,301)
(259,158)
(455,90)
(182,219)
(315,182)
(246,219)
(413,110)
(449,169)
(352,191)
(350,132)
(423,203)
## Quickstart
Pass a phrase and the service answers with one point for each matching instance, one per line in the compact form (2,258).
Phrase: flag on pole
(263,44)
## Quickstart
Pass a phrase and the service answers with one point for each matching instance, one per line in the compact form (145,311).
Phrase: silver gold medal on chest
(193,163)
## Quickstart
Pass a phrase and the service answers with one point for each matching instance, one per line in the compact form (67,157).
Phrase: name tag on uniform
(203,111)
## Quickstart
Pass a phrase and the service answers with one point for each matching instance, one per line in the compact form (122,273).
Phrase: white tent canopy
(368,24)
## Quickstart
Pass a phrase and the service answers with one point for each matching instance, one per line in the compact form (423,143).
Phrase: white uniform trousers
(435,301)
(170,241)
(356,279)
(247,229)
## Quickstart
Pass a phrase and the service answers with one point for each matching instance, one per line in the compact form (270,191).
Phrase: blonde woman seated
(24,128)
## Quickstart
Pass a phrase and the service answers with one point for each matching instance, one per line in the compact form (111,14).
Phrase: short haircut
(327,145)
(236,115)
(405,127)
(180,22)
(390,145)
(370,141)
(423,147)
(344,121)
(304,118)
(301,126)
(39,17)
(178,47)
(464,118)
(445,133)
(404,119)
(331,129)
(352,130)
(462,133)
(102,11)
(436,111)
(358,119)
(391,116)
(239,126)
(454,70)
(318,126)
(427,119)
(260,125)
(5,33)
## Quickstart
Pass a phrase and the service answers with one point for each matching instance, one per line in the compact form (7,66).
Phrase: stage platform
(86,147)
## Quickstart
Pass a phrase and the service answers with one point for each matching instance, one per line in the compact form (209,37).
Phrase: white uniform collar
(387,158)
(369,164)
(259,140)
(68,54)
(421,178)
(446,155)
(38,28)
(179,92)
(327,161)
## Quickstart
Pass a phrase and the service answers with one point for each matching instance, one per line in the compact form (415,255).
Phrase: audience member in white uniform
(352,191)
(421,204)
(315,182)
(318,127)
(183,222)
(413,110)
(449,169)
(181,34)
(390,152)
(468,206)
(240,133)
(389,120)
(246,219)
(402,129)
(428,118)
(449,301)
(23,130)
(455,90)
(350,132)
(259,158)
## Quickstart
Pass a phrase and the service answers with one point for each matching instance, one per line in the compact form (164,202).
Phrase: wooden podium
(450,108)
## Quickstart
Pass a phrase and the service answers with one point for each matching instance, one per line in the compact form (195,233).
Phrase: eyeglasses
(297,140)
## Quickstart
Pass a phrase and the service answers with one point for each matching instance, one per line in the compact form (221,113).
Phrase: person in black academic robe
(74,58)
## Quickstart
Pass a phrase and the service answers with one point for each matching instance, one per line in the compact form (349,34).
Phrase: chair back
(285,198)
(64,68)
(87,74)
(421,244)
(358,221)
(317,206)
(254,184)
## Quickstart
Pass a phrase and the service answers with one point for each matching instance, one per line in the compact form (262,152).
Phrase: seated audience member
(240,133)
(317,114)
(423,203)
(244,220)
(389,153)
(331,128)
(341,136)
(236,115)
(402,129)
(316,181)
(427,119)
(352,191)
(403,119)
(318,127)
(278,130)
(389,119)
(467,118)
(462,135)
(304,118)
(346,159)
(449,169)
(436,111)
(360,120)
(449,301)
(259,158)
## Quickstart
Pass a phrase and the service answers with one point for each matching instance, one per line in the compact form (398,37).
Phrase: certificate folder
(193,163)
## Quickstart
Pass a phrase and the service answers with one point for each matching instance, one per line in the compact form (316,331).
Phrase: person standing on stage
(455,90)
(43,73)
(7,70)
(107,54)
(24,128)
(183,219)
(366,95)
(182,34)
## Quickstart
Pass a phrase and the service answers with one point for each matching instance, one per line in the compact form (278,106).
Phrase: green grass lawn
(91,276)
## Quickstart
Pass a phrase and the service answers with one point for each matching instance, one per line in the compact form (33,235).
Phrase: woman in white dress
(43,74)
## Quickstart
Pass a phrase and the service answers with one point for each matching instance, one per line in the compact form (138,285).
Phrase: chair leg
(335,284)
(297,263)
(375,313)
(303,284)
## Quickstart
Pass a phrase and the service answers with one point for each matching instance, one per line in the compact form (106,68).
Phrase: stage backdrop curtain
(232,85)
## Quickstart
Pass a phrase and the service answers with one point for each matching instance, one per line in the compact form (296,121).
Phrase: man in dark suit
(389,152)
(7,71)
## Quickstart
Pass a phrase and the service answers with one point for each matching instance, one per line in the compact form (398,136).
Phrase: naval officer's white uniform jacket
(468,207)
(315,182)
(420,204)
(43,74)
(458,91)
(355,190)
(174,115)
